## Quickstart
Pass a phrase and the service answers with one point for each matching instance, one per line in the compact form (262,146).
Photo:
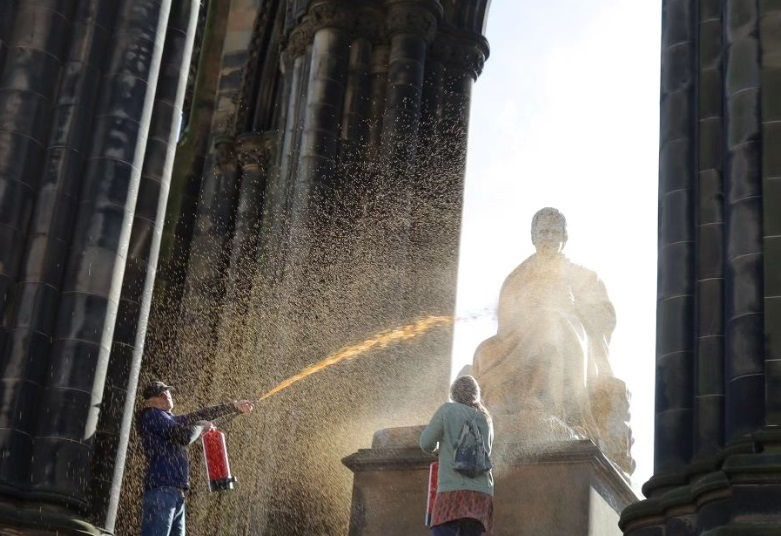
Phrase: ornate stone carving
(253,149)
(224,152)
(332,14)
(369,25)
(417,18)
(300,37)
(323,14)
(461,52)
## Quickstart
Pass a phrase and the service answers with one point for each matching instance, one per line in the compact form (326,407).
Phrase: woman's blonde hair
(465,390)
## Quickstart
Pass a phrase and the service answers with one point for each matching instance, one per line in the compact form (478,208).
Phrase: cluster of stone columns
(718,324)
(90,103)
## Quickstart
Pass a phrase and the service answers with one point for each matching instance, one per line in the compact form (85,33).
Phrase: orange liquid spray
(383,339)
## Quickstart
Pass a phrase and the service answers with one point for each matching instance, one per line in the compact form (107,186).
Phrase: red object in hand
(433,480)
(218,467)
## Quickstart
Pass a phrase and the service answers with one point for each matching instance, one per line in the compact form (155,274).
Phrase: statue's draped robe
(555,323)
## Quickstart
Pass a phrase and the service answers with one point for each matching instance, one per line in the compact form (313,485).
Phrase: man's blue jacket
(165,439)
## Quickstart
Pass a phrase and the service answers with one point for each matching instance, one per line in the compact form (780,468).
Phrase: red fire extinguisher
(433,478)
(217,465)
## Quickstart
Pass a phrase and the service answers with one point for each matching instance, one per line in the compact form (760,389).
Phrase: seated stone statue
(549,356)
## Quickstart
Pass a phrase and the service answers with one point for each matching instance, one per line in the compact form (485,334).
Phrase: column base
(739,496)
(36,519)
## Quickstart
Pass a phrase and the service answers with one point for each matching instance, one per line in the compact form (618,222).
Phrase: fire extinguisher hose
(225,419)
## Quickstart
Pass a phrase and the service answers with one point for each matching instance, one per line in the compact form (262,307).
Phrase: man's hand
(207,426)
(243,406)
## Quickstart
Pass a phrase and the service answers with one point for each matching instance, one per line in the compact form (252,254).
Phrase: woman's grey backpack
(471,456)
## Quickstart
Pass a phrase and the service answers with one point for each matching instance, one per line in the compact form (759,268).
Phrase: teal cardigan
(444,429)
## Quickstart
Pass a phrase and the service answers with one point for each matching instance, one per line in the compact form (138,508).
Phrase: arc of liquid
(381,340)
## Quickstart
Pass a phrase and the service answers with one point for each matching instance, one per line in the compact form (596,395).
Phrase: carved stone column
(379,86)
(204,286)
(457,60)
(296,63)
(91,70)
(716,470)
(355,122)
(38,187)
(254,154)
(119,404)
(7,13)
(675,307)
(743,218)
(238,367)
(411,26)
(70,401)
(710,235)
(270,77)
(307,179)
(436,201)
(316,167)
(311,189)
(770,75)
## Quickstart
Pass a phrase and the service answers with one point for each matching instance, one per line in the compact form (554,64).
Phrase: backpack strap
(464,431)
(475,430)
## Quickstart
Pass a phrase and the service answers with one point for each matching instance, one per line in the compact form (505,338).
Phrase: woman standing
(463,506)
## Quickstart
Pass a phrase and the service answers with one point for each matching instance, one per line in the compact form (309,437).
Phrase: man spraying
(165,439)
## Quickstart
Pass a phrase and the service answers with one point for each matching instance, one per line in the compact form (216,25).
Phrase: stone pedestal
(541,488)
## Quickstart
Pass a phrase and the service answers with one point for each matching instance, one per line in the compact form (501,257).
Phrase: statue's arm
(504,312)
(594,307)
(598,316)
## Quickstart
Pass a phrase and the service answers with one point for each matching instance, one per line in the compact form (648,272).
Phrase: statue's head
(549,231)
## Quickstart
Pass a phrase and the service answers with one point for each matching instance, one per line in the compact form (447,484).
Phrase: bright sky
(566,114)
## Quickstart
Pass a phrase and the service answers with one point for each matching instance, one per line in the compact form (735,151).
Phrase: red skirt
(453,505)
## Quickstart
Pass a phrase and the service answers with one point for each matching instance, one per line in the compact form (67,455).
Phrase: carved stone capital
(461,52)
(249,150)
(332,14)
(419,18)
(369,25)
(224,152)
(336,14)
(253,150)
(300,37)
